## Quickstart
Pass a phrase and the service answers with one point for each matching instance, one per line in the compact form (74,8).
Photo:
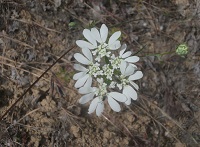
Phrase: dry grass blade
(128,133)
(106,118)
(154,120)
(37,24)
(56,83)
(41,129)
(72,117)
(170,118)
(36,75)
(16,41)
(33,111)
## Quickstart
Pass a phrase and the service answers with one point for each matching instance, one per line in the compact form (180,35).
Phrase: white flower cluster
(114,75)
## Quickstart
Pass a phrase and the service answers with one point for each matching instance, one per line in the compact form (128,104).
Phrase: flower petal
(88,82)
(88,35)
(93,105)
(137,75)
(86,98)
(100,108)
(123,48)
(80,82)
(134,85)
(127,54)
(96,34)
(79,75)
(123,67)
(129,91)
(113,104)
(87,53)
(81,59)
(132,59)
(114,37)
(134,66)
(104,32)
(121,52)
(86,90)
(85,44)
(117,96)
(128,102)
(116,45)
(80,67)
(129,70)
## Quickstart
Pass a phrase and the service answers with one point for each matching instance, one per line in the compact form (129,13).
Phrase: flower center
(116,62)
(123,82)
(102,91)
(108,72)
(101,51)
(94,70)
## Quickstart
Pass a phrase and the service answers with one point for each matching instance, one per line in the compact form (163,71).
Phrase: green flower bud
(72,24)
(182,49)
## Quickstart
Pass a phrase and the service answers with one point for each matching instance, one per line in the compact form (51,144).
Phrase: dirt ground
(35,33)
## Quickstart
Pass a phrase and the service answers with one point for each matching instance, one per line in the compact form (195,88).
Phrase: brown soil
(35,33)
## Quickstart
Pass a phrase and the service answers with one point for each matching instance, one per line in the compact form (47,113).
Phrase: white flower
(101,94)
(87,59)
(97,41)
(109,72)
(85,74)
(128,76)
(82,76)
(89,94)
(126,56)
(123,56)
(97,103)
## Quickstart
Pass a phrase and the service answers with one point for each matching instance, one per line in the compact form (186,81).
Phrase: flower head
(113,75)
(182,49)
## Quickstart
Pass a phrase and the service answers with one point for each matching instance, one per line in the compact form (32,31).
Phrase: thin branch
(26,91)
